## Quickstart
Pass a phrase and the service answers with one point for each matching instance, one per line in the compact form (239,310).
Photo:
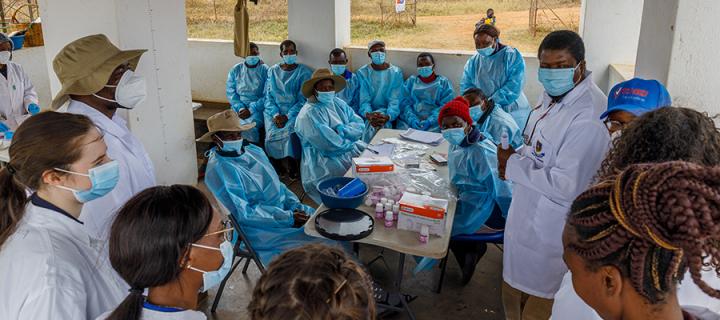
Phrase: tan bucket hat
(308,87)
(85,65)
(227,120)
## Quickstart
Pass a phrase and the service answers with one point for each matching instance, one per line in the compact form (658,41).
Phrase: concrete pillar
(164,121)
(679,46)
(317,27)
(610,29)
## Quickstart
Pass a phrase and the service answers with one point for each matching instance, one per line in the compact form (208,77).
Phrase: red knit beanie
(456,107)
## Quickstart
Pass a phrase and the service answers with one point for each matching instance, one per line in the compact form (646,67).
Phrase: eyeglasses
(228,231)
(614,125)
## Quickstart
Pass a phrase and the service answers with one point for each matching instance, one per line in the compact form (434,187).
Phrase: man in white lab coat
(565,143)
(18,99)
(98,78)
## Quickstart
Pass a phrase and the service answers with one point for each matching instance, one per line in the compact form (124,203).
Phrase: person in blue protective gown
(499,71)
(283,101)
(243,180)
(338,65)
(380,91)
(245,91)
(483,199)
(329,130)
(491,119)
(424,95)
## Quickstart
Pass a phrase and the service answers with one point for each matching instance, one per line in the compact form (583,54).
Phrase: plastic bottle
(383,200)
(389,219)
(424,234)
(505,140)
(396,211)
(368,201)
(379,211)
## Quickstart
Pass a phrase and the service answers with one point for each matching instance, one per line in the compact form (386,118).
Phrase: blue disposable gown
(331,137)
(501,77)
(283,97)
(380,91)
(351,93)
(496,122)
(245,89)
(423,101)
(249,187)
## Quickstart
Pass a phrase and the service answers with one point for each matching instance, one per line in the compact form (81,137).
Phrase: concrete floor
(479,299)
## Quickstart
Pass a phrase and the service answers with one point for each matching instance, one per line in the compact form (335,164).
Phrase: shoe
(468,267)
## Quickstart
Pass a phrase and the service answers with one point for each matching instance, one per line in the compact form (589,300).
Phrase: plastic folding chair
(242,250)
(494,237)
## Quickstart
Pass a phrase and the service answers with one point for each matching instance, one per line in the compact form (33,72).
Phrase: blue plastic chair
(494,237)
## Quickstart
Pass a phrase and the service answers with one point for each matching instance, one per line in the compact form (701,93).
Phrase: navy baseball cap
(637,96)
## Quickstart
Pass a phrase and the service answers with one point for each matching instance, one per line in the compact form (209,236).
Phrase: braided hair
(653,222)
(313,282)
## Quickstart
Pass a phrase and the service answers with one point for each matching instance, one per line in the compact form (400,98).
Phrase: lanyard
(529,139)
(150,306)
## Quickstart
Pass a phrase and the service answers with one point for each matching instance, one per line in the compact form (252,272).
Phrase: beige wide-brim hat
(85,65)
(227,120)
(308,87)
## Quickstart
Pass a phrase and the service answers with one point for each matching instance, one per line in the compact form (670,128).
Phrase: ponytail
(12,206)
(130,308)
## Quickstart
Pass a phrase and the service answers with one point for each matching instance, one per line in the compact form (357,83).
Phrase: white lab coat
(52,269)
(569,306)
(16,94)
(136,170)
(564,155)
(148,314)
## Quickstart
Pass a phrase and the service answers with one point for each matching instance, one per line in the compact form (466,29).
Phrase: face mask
(557,81)
(103,178)
(212,279)
(252,60)
(425,71)
(377,57)
(487,51)
(232,145)
(129,92)
(5,57)
(454,136)
(325,97)
(476,112)
(290,59)
(338,69)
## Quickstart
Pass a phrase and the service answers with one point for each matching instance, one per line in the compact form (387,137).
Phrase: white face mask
(5,57)
(129,92)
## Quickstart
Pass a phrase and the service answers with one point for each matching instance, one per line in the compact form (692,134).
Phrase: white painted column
(610,29)
(317,27)
(680,43)
(164,121)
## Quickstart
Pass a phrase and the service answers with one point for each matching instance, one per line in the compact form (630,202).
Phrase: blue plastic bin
(335,202)
(18,42)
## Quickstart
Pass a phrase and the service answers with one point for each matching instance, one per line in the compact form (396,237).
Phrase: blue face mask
(557,81)
(454,136)
(325,97)
(252,60)
(476,112)
(231,145)
(290,59)
(377,57)
(338,69)
(103,179)
(425,71)
(487,51)
(212,279)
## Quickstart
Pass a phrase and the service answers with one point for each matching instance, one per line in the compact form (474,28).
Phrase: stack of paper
(382,150)
(430,138)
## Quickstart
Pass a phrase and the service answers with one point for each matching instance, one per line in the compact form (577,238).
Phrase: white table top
(402,240)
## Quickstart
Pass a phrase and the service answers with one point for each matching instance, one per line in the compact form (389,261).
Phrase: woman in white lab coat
(170,241)
(51,268)
(18,99)
(98,79)
(564,145)
(640,143)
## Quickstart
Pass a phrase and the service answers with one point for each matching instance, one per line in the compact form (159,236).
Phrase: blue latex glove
(33,109)
(3,127)
(426,124)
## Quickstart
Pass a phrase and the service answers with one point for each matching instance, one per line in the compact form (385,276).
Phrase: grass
(441,24)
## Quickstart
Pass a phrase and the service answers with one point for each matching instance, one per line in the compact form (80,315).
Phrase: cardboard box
(418,210)
(373,165)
